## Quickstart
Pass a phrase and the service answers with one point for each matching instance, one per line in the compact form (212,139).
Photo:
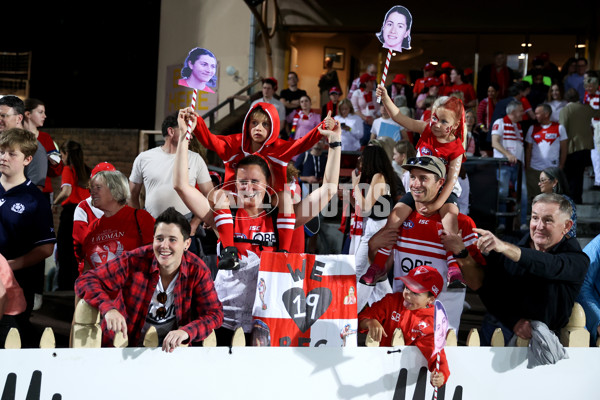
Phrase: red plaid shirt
(128,282)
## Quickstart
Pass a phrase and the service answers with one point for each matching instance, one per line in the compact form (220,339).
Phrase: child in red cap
(412,312)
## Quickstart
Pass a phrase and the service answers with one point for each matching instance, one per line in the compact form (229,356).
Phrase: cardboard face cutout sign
(395,30)
(440,329)
(199,70)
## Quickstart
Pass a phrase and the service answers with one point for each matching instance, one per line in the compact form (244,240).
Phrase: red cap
(364,78)
(468,71)
(433,81)
(272,81)
(401,79)
(424,279)
(103,166)
(335,89)
(447,64)
(429,67)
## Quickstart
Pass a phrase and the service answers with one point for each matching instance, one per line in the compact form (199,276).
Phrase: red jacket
(416,325)
(277,152)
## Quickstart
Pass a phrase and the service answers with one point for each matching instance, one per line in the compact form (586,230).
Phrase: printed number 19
(311,300)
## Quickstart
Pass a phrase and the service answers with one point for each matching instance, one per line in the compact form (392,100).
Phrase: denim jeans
(508,174)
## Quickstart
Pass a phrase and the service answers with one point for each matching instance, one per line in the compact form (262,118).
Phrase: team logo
(423,325)
(2,202)
(239,236)
(408,224)
(421,270)
(425,151)
(18,208)
(435,290)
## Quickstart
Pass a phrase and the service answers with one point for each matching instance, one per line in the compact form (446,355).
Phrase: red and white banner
(305,300)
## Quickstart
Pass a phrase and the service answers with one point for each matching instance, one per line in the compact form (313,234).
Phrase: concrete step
(588,211)
(587,227)
(583,241)
(591,197)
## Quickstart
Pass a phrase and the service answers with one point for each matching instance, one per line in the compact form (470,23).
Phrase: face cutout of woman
(395,31)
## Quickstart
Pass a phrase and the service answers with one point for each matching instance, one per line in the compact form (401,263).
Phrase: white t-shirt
(164,324)
(352,131)
(154,169)
(386,127)
(545,145)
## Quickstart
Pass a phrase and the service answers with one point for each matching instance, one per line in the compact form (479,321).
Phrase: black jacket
(541,286)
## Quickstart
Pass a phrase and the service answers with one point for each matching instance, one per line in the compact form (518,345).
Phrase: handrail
(210,114)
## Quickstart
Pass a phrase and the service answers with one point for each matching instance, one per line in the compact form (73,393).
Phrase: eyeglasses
(424,162)
(161,312)
(4,116)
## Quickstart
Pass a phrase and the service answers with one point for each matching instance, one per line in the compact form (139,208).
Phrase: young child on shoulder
(259,136)
(412,311)
(441,137)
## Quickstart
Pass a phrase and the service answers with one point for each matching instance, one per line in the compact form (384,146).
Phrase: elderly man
(419,240)
(507,141)
(161,285)
(536,279)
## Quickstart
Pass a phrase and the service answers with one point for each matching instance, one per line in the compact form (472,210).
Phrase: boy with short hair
(26,225)
(259,136)
(411,311)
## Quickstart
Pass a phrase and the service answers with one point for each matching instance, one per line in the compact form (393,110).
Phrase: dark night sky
(93,64)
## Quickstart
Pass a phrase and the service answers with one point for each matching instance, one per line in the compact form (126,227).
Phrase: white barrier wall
(290,373)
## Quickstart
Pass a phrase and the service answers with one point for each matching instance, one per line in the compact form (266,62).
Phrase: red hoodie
(277,152)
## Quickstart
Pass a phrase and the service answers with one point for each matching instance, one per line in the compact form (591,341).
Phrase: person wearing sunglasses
(161,285)
(419,240)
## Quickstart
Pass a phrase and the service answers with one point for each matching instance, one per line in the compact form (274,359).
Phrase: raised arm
(312,204)
(192,198)
(394,112)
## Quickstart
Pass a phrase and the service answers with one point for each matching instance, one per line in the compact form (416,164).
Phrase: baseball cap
(428,163)
(447,64)
(103,166)
(366,78)
(429,67)
(401,79)
(468,71)
(272,81)
(335,89)
(424,279)
(433,81)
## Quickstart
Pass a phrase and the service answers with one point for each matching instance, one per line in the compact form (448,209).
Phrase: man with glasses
(161,285)
(12,112)
(575,81)
(419,241)
(537,279)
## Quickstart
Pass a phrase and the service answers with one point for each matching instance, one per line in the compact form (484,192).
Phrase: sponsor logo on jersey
(423,221)
(254,228)
(264,236)
(395,316)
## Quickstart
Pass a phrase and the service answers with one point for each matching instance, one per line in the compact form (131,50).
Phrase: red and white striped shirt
(511,137)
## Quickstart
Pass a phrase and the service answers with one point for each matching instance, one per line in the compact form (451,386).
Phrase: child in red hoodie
(259,136)
(412,312)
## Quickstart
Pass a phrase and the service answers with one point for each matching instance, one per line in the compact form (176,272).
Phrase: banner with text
(305,300)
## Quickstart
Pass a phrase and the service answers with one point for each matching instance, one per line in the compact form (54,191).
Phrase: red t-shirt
(416,325)
(77,192)
(108,237)
(465,88)
(428,145)
(526,107)
(53,169)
